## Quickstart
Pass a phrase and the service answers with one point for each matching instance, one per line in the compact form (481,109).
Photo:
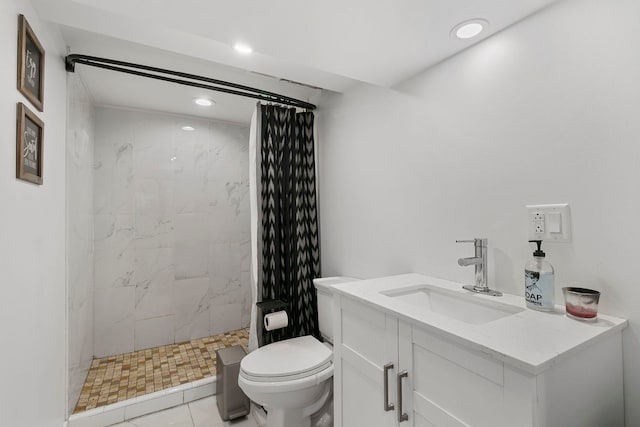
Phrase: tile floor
(199,413)
(125,376)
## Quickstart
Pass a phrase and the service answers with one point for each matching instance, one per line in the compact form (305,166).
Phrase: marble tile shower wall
(80,141)
(171,230)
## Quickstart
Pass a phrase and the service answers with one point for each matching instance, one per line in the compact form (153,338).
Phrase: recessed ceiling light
(469,29)
(204,102)
(242,48)
(188,128)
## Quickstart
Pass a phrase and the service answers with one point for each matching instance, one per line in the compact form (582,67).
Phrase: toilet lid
(286,360)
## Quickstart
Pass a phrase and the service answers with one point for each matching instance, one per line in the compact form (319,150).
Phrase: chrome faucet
(480,261)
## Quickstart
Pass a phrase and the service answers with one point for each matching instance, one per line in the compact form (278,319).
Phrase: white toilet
(292,379)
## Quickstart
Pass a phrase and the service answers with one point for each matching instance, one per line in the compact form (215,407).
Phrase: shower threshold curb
(119,412)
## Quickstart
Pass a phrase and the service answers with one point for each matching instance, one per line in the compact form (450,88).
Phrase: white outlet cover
(548,235)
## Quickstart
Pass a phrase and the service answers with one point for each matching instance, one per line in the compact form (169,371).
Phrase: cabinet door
(448,385)
(365,340)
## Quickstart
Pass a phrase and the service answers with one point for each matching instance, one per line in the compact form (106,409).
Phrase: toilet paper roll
(276,320)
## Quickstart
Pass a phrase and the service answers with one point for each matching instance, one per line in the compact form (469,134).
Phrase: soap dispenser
(539,281)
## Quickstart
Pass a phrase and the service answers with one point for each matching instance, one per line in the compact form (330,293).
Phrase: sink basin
(460,306)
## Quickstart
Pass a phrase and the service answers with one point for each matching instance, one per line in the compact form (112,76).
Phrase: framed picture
(30,64)
(29,143)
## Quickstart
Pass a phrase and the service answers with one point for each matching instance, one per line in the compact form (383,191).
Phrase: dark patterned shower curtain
(289,235)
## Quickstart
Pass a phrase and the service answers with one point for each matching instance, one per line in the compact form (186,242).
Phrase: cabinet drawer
(476,362)
(455,386)
(368,332)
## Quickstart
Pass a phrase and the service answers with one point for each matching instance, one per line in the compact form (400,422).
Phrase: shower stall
(158,248)
(160,234)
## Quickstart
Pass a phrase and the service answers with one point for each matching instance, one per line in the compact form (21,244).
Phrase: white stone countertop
(529,340)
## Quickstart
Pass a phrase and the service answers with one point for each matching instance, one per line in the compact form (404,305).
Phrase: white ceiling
(332,44)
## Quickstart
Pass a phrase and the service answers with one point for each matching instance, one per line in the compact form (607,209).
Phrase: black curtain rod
(200,81)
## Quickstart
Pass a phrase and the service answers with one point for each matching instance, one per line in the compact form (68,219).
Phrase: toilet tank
(325,303)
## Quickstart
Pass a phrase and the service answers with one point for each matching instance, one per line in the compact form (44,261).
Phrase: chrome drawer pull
(387,406)
(401,415)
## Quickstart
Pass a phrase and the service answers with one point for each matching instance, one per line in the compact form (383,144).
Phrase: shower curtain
(255,220)
(285,253)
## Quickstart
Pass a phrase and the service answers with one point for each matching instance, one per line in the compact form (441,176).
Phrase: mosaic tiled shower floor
(125,376)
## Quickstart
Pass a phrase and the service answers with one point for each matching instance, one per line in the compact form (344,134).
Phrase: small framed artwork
(30,64)
(29,143)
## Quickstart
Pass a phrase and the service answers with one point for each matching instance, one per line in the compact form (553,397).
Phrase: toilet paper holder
(269,306)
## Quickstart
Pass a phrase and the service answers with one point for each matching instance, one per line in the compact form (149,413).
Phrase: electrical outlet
(551,223)
(537,219)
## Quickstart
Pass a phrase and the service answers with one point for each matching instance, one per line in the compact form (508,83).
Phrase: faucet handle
(478,241)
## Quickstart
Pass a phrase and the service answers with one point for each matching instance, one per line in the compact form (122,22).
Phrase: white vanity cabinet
(450,383)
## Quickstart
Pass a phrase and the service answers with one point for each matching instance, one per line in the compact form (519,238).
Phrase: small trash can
(232,402)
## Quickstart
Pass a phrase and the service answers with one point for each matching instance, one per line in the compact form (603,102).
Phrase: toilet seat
(287,360)
(282,386)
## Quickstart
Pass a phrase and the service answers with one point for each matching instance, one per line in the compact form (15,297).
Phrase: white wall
(547,111)
(32,232)
(80,141)
(171,229)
